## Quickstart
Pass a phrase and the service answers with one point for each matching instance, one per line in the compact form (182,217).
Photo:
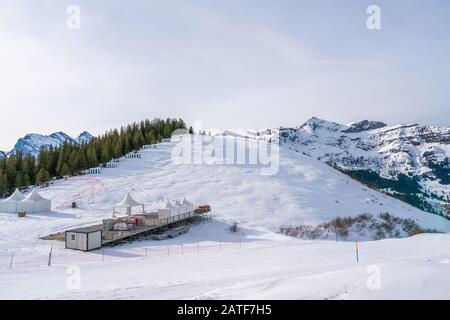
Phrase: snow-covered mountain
(84,137)
(410,162)
(2,154)
(32,143)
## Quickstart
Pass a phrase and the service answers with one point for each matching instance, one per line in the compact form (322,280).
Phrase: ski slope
(265,268)
(215,263)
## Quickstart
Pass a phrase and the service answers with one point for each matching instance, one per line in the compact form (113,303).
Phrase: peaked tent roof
(35,196)
(16,196)
(186,203)
(178,203)
(129,202)
(169,205)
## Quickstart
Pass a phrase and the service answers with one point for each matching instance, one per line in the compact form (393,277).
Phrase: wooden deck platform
(60,236)
(112,237)
(151,226)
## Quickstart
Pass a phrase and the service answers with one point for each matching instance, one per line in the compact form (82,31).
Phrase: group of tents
(176,208)
(169,208)
(33,203)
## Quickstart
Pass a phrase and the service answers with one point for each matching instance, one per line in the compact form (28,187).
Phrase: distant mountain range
(33,142)
(410,162)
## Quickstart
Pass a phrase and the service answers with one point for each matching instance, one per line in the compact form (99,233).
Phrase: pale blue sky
(230,64)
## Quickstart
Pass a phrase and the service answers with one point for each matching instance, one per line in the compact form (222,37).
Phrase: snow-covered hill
(265,265)
(303,191)
(409,161)
(32,143)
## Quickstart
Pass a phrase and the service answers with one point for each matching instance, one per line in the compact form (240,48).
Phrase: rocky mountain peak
(411,162)
(364,125)
(84,137)
(33,142)
(315,123)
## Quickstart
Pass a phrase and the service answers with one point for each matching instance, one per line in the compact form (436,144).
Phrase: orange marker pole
(357,251)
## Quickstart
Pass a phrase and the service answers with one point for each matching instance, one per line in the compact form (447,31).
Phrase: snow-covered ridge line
(33,142)
(419,152)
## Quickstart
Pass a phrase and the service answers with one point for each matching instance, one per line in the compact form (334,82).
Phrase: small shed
(84,239)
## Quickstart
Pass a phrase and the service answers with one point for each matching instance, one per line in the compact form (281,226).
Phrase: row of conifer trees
(20,170)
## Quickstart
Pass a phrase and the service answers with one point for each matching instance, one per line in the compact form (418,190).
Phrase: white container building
(84,239)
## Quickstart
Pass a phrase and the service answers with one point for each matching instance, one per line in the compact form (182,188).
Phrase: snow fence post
(103,255)
(10,262)
(50,256)
(198,247)
(357,250)
(146,253)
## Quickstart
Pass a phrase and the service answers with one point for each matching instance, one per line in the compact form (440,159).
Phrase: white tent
(10,205)
(180,206)
(34,203)
(189,207)
(171,205)
(128,203)
(168,210)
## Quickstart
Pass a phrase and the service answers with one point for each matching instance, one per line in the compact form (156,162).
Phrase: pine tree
(65,171)
(43,176)
(73,161)
(92,156)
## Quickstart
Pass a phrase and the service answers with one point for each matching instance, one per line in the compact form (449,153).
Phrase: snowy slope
(265,267)
(304,191)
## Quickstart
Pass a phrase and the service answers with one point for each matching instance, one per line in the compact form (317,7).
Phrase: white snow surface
(256,263)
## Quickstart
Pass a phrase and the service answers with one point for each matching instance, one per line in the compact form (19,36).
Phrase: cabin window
(72,237)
